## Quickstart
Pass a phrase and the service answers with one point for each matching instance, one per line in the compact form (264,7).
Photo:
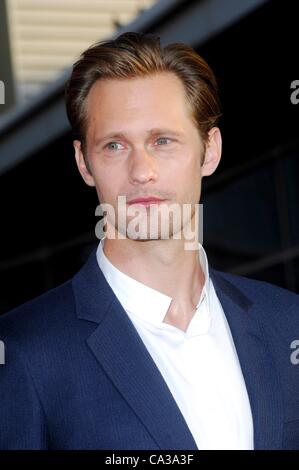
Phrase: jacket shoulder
(257,288)
(273,302)
(38,315)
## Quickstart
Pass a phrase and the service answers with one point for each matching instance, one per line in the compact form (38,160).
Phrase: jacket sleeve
(22,420)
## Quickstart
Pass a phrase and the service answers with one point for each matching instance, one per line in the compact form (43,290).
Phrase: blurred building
(46,36)
(251,203)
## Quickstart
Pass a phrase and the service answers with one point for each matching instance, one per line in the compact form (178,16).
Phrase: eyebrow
(122,135)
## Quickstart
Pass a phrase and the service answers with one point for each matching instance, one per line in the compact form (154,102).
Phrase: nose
(142,167)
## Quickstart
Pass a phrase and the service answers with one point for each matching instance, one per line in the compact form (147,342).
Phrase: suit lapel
(256,362)
(121,352)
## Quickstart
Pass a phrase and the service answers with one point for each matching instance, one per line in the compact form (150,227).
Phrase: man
(147,347)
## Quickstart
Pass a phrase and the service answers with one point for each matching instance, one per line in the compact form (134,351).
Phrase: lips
(146,200)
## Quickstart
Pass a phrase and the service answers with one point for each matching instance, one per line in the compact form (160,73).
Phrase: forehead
(162,94)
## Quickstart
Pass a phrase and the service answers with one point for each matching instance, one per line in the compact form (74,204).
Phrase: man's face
(141,141)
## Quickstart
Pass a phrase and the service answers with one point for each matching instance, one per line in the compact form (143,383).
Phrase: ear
(81,164)
(212,152)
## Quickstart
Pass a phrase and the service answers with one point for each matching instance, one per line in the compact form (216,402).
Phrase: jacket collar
(121,352)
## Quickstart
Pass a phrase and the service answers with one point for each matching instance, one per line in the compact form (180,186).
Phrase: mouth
(146,201)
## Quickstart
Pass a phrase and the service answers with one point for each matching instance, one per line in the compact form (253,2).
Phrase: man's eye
(113,144)
(162,138)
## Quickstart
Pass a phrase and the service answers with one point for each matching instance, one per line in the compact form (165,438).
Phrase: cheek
(191,169)
(190,179)
(103,189)
(192,158)
(107,186)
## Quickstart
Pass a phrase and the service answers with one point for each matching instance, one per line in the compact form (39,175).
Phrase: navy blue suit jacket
(78,376)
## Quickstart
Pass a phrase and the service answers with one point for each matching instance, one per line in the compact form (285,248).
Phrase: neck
(164,265)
